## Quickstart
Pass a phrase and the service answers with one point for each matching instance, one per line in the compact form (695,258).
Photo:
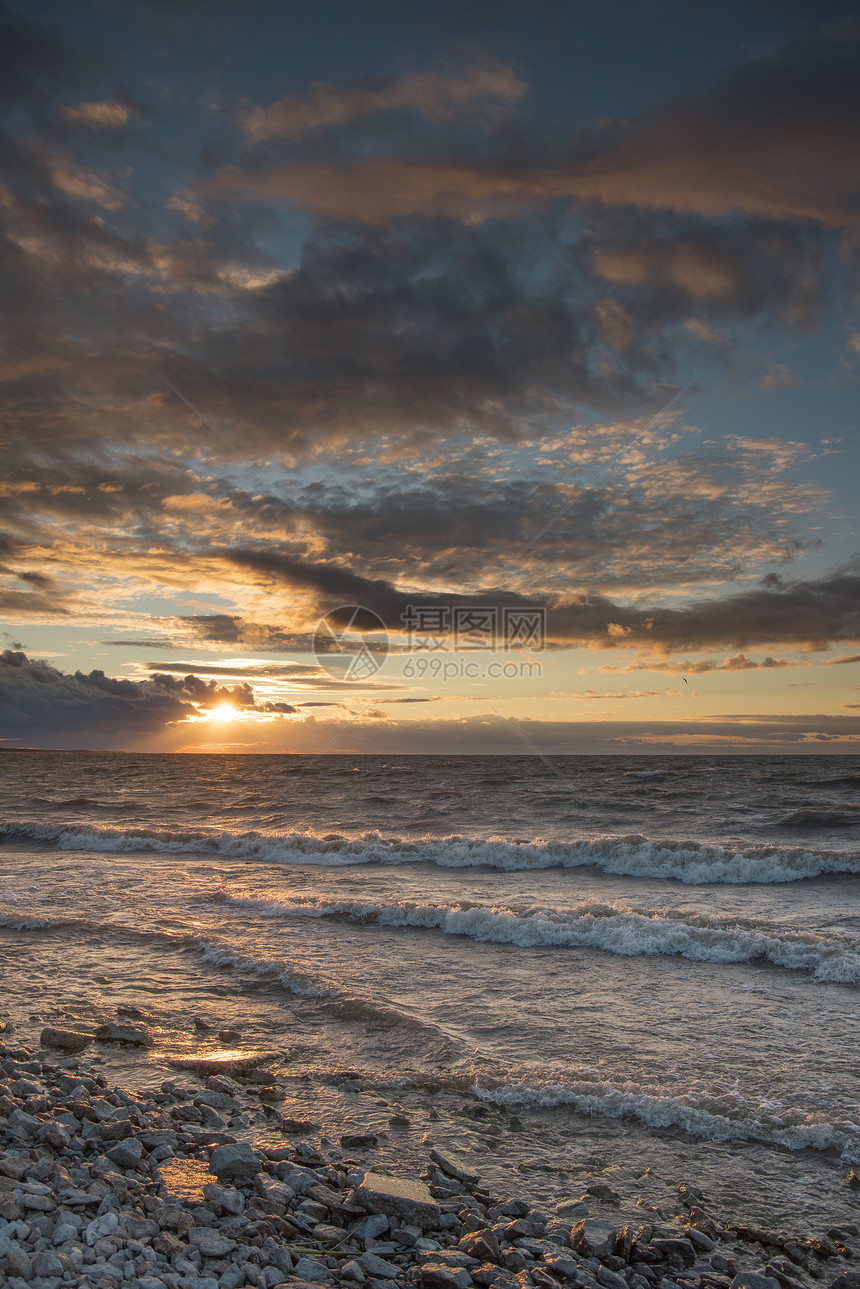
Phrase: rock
(221,1065)
(454,1169)
(482,1245)
(853,1179)
(100,1227)
(848,1280)
(211,1243)
(611,1279)
(310,1270)
(699,1240)
(436,1275)
(46,1263)
(409,1201)
(129,1035)
(353,1272)
(16,1263)
(571,1210)
(127,1154)
(67,1040)
(752,1280)
(355,1140)
(593,1238)
(561,1264)
(232,1201)
(678,1248)
(377,1266)
(234,1161)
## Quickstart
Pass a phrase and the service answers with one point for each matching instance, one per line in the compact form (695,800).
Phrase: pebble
(83,1202)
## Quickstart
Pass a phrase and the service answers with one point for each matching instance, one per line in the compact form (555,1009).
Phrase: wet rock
(129,1035)
(454,1169)
(234,1161)
(355,1140)
(409,1201)
(482,1245)
(667,1248)
(67,1040)
(593,1238)
(571,1210)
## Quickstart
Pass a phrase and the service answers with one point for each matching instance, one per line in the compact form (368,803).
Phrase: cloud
(97,116)
(775,138)
(482,88)
(38,699)
(698,666)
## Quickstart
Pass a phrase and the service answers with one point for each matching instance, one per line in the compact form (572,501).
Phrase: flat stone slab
(399,1197)
(67,1040)
(209,1065)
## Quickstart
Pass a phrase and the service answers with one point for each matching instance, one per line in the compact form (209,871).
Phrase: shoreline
(102,1187)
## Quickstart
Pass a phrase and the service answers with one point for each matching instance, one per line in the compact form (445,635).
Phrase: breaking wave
(629,932)
(691,862)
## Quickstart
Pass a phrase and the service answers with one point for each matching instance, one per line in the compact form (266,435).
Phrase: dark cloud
(36,699)
(776,138)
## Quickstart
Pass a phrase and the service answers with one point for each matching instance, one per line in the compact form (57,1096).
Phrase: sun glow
(223,712)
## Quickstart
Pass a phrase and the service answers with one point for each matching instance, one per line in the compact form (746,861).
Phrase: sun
(223,712)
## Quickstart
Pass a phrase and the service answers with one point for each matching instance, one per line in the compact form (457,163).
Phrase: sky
(452,376)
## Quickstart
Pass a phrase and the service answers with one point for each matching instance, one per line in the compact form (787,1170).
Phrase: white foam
(619,929)
(713,1114)
(693,863)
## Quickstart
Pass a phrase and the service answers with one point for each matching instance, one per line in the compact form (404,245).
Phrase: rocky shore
(103,1187)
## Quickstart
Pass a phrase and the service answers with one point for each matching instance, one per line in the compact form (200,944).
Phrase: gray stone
(680,1248)
(211,1243)
(46,1263)
(352,1271)
(561,1264)
(129,1035)
(572,1210)
(752,1280)
(482,1245)
(127,1154)
(593,1238)
(231,1200)
(611,1279)
(16,1263)
(436,1275)
(67,1040)
(235,1161)
(312,1271)
(409,1201)
(699,1240)
(377,1266)
(372,1227)
(453,1168)
(100,1227)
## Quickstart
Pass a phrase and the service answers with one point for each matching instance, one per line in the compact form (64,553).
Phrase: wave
(846,815)
(713,1114)
(690,862)
(617,929)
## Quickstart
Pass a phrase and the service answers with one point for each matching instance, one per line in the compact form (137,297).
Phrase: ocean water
(585,966)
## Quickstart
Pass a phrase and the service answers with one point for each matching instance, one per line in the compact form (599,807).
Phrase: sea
(574,972)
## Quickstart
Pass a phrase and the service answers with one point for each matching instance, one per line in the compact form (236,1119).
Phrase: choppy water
(655,959)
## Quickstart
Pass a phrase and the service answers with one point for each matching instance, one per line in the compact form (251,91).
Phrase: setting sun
(223,712)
